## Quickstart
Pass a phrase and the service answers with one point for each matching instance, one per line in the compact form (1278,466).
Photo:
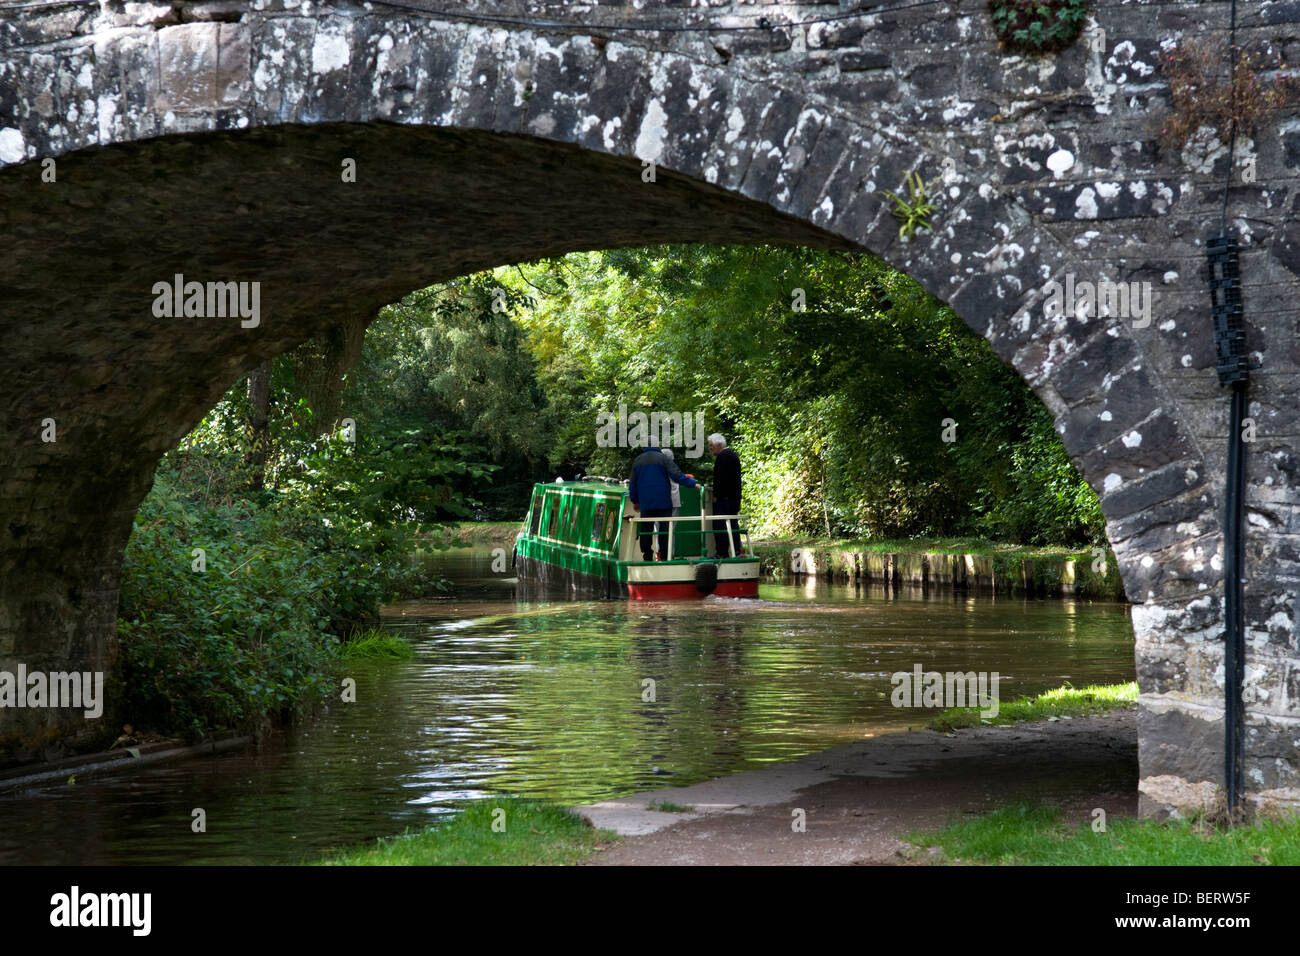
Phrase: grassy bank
(482,532)
(1028,835)
(1063,703)
(979,546)
(375,645)
(492,832)
(962,564)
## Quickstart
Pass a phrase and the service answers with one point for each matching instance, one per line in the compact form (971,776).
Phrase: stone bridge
(342,154)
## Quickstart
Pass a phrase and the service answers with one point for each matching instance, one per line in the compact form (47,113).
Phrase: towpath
(857,798)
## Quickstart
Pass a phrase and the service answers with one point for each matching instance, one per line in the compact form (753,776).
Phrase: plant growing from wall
(916,209)
(1037,26)
(1201,84)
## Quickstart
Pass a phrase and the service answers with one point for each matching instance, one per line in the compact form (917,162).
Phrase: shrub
(224,646)
(255,634)
(1204,94)
(1038,26)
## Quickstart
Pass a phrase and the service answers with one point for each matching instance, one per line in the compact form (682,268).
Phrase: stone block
(189,61)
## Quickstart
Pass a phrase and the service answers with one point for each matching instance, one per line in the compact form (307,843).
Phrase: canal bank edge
(1061,574)
(751,816)
(64,770)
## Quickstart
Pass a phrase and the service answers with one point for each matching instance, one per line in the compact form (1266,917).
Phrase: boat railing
(735,526)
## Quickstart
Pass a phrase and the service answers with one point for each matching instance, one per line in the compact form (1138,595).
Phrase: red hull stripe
(681,590)
(737,588)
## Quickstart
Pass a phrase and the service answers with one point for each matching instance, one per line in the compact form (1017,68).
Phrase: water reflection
(553,699)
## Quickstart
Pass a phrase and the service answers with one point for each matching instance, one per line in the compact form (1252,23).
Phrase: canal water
(553,699)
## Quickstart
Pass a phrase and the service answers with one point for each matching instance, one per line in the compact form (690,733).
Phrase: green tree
(833,375)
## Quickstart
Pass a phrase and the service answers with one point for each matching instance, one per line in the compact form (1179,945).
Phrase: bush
(256,633)
(1042,499)
(304,536)
(223,646)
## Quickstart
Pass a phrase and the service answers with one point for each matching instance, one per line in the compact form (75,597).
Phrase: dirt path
(858,797)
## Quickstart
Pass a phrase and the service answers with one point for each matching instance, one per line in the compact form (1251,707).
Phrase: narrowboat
(582,537)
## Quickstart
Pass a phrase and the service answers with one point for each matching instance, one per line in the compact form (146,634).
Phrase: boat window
(598,523)
(536,523)
(553,519)
(611,527)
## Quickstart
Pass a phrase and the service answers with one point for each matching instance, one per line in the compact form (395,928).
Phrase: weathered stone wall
(482,143)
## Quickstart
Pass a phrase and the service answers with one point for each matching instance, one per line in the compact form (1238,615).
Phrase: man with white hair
(726,492)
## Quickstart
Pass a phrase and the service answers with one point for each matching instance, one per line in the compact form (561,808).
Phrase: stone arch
(207,140)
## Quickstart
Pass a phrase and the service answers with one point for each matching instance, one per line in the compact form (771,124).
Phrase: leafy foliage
(916,209)
(1038,26)
(836,410)
(451,357)
(293,561)
(226,646)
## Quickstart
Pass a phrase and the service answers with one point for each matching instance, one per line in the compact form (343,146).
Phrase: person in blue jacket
(653,475)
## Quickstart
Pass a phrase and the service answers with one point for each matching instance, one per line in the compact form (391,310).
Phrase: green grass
(376,645)
(527,833)
(484,532)
(666,806)
(1031,835)
(1062,703)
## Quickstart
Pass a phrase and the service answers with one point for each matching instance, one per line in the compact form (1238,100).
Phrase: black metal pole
(1230,343)
(1234,642)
